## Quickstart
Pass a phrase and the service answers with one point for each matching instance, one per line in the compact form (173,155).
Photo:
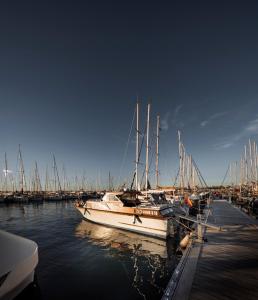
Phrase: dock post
(199,228)
(171,229)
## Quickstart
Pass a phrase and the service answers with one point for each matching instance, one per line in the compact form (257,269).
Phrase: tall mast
(246,168)
(147,149)
(180,162)
(157,154)
(64,178)
(255,163)
(38,187)
(22,171)
(57,179)
(251,162)
(6,173)
(236,173)
(47,185)
(137,146)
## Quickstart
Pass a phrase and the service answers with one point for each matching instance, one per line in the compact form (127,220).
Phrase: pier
(225,265)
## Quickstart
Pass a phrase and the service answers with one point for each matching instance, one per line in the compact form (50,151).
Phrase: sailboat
(125,210)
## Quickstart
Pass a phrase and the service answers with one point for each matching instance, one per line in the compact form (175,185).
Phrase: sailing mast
(251,164)
(157,154)
(6,173)
(47,185)
(22,172)
(246,167)
(37,183)
(255,165)
(137,146)
(56,175)
(147,150)
(64,179)
(180,163)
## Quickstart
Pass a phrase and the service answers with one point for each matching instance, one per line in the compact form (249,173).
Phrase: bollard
(171,230)
(199,228)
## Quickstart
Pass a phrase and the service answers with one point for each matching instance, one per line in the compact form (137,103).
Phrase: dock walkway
(224,267)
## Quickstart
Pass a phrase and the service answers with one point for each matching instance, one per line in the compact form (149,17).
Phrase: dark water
(78,259)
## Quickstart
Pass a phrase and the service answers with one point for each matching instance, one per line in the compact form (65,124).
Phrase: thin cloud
(176,113)
(204,123)
(164,125)
(250,129)
(213,117)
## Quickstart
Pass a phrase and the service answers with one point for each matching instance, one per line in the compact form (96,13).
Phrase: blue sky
(71,72)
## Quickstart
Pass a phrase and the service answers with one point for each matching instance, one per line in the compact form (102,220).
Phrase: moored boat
(19,258)
(125,211)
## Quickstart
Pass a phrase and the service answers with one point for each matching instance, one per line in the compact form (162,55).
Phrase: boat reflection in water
(147,260)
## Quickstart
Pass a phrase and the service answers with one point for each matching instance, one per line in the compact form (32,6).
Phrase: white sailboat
(125,210)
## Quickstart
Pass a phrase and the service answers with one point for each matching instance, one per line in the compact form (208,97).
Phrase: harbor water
(79,259)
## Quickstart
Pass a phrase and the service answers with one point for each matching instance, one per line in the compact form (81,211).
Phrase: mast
(180,162)
(147,149)
(251,162)
(64,179)
(246,167)
(37,183)
(255,163)
(47,185)
(56,175)
(137,146)
(157,154)
(6,173)
(22,171)
(236,173)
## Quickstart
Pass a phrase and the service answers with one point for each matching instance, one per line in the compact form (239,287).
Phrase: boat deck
(224,267)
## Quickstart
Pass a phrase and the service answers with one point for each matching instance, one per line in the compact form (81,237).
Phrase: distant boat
(125,211)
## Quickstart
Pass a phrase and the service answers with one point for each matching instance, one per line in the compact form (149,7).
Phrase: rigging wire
(126,148)
(143,138)
(224,178)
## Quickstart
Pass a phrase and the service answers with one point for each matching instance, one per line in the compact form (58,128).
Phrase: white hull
(147,225)
(19,258)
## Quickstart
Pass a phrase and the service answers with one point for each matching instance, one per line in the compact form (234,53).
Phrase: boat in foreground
(125,211)
(19,258)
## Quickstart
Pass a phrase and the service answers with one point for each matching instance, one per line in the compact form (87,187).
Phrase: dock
(223,267)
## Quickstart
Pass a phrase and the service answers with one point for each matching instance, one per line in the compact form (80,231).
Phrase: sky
(71,71)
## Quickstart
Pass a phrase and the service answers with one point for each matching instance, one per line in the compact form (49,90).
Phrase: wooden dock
(224,267)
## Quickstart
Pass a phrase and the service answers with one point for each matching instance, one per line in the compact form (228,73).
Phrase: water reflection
(149,259)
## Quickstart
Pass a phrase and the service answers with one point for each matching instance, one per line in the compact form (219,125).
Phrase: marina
(129,150)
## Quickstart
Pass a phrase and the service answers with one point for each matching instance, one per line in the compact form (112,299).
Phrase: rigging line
(141,146)
(199,173)
(152,154)
(225,176)
(176,176)
(126,148)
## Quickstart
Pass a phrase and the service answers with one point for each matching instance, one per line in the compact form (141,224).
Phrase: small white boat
(125,211)
(19,258)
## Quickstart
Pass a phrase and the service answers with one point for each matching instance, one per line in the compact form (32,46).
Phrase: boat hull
(147,225)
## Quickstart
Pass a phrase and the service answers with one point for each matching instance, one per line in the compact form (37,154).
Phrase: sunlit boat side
(125,211)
